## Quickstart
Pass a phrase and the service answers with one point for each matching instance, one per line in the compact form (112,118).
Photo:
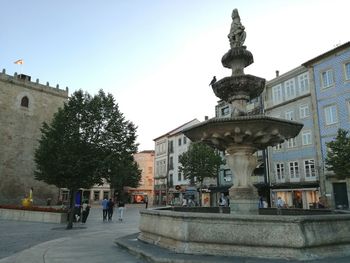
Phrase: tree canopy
(87,141)
(200,161)
(338,154)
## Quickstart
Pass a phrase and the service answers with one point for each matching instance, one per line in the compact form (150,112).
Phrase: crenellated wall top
(24,80)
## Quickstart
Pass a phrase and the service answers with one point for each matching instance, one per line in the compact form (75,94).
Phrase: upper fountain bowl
(256,131)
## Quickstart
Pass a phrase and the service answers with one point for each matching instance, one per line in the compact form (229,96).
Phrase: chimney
(277,73)
(206,118)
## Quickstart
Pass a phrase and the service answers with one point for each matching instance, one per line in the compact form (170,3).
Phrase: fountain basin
(240,86)
(256,131)
(290,237)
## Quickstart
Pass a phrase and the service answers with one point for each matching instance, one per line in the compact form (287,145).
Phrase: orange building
(145,160)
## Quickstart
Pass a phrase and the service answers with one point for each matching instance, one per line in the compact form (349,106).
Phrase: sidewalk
(92,242)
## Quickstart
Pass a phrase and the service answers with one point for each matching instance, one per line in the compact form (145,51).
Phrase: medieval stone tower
(24,106)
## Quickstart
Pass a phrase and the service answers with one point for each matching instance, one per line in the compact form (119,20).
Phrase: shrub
(34,208)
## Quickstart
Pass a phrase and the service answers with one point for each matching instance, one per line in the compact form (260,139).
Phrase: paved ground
(96,242)
(49,243)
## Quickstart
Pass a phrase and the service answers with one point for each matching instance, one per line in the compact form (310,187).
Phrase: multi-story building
(169,183)
(24,106)
(293,164)
(330,76)
(145,160)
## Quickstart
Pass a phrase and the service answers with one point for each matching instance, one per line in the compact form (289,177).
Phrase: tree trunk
(71,209)
(200,194)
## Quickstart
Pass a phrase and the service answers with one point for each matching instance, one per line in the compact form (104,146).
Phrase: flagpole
(20,62)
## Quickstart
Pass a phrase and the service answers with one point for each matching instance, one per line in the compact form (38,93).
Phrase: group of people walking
(108,209)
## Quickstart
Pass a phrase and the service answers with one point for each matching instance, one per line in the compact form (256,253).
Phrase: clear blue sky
(158,57)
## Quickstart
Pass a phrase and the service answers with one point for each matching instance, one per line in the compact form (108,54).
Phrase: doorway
(340,196)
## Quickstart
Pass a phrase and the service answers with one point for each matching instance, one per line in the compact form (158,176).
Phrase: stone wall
(266,236)
(19,135)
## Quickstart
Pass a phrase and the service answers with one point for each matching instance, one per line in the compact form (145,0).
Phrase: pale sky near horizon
(157,57)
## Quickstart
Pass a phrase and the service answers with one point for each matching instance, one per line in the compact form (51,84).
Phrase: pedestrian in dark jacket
(110,208)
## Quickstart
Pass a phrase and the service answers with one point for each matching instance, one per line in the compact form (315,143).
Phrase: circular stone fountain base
(289,237)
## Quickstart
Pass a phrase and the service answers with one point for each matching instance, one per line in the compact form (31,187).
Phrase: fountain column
(243,194)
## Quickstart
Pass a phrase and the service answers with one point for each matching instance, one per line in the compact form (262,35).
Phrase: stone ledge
(33,216)
(281,237)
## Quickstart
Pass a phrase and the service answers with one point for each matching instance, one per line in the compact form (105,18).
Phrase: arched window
(25,102)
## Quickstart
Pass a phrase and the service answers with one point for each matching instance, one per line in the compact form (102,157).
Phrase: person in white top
(222,200)
(280,202)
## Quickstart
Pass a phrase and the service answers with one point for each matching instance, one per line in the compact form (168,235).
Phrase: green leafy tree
(84,143)
(338,155)
(200,161)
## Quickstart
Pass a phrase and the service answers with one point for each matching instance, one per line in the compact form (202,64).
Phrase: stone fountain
(244,232)
(241,135)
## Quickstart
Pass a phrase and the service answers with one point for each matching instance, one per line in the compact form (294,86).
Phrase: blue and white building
(330,77)
(293,164)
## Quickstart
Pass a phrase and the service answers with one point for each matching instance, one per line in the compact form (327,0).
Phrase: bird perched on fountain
(212,81)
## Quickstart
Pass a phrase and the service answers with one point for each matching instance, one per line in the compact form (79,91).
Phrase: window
(327,78)
(65,196)
(304,111)
(279,171)
(96,195)
(289,89)
(227,175)
(180,141)
(347,71)
(185,140)
(294,170)
(278,147)
(277,94)
(171,180)
(25,102)
(303,83)
(309,166)
(225,111)
(179,176)
(171,146)
(330,114)
(306,137)
(171,163)
(291,143)
(105,194)
(290,115)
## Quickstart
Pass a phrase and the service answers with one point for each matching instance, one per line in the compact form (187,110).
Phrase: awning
(220,188)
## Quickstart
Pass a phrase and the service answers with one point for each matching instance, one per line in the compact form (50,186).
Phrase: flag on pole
(19,62)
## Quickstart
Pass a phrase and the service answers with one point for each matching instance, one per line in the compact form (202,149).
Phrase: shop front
(304,198)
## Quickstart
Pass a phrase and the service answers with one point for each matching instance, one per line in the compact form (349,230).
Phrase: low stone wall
(201,209)
(290,237)
(294,211)
(33,216)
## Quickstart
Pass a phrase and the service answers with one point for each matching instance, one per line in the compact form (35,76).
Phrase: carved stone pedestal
(244,201)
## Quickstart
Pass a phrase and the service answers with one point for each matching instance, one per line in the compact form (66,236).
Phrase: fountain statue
(241,135)
(244,232)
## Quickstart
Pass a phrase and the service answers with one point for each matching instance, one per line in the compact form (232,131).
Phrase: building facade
(293,165)
(169,183)
(330,76)
(145,160)
(24,106)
